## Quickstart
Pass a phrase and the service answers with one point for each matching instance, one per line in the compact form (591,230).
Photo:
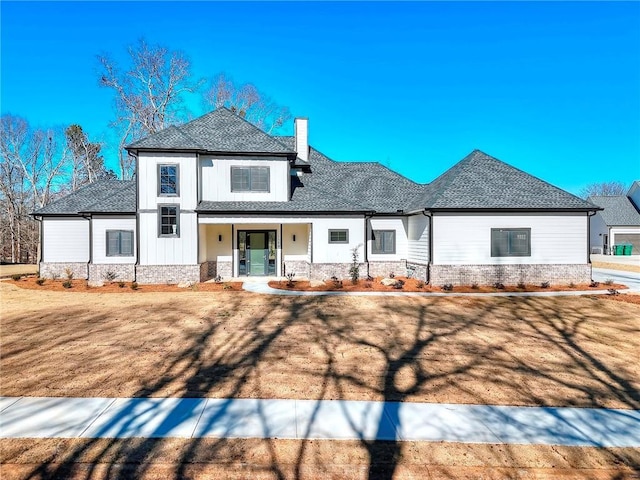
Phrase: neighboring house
(618,223)
(217,196)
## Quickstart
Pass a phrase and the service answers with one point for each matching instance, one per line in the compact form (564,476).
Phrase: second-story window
(168,180)
(249,179)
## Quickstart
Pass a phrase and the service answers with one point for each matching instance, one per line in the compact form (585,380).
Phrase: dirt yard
(513,351)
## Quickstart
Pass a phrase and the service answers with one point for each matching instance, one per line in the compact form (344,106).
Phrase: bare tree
(32,166)
(87,164)
(605,189)
(149,93)
(249,102)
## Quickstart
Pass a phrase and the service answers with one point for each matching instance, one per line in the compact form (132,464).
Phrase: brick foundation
(124,272)
(59,270)
(299,267)
(383,269)
(509,274)
(324,271)
(172,274)
(419,272)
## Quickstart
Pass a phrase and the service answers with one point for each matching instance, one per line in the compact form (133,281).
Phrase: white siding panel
(418,239)
(399,225)
(65,240)
(460,239)
(598,229)
(324,252)
(216,180)
(156,250)
(148,184)
(99,234)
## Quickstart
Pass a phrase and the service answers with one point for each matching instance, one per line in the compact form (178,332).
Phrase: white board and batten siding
(148,197)
(556,238)
(156,250)
(397,224)
(418,239)
(65,239)
(215,174)
(99,237)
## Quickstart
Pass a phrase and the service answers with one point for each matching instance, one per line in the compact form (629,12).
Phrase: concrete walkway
(30,417)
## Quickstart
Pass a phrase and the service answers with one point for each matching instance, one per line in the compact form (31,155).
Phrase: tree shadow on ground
(389,349)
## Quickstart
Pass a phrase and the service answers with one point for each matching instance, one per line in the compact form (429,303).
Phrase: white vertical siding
(399,225)
(324,252)
(216,179)
(99,234)
(65,239)
(556,238)
(148,182)
(418,239)
(156,250)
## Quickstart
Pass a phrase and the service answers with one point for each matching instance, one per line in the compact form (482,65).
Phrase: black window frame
(382,251)
(496,251)
(120,243)
(250,169)
(160,217)
(177,181)
(339,230)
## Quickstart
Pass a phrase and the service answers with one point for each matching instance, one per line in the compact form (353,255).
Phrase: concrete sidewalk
(30,417)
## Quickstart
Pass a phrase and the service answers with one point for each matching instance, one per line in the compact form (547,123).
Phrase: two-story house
(218,196)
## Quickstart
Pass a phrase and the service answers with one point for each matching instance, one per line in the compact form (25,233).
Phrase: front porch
(253,248)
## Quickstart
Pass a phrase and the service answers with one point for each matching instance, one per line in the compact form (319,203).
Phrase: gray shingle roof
(618,210)
(218,131)
(480,181)
(103,196)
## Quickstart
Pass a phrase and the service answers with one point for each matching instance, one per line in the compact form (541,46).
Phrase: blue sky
(551,88)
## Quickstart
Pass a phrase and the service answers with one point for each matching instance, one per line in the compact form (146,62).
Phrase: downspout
(40,255)
(89,219)
(429,215)
(589,215)
(366,240)
(137,233)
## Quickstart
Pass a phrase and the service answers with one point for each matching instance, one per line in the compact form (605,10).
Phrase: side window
(119,243)
(168,180)
(510,242)
(169,221)
(338,236)
(384,241)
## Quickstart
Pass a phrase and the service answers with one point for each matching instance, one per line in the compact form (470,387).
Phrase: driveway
(631,279)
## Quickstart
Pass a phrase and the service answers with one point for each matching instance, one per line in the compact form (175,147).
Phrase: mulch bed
(115,287)
(413,285)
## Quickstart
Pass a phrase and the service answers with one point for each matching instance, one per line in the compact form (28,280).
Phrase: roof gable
(480,181)
(618,210)
(218,131)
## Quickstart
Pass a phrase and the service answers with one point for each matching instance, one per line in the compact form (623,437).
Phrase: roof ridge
(529,174)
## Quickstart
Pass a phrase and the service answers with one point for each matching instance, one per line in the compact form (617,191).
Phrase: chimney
(302,138)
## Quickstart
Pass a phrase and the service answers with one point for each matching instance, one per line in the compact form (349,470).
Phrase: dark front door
(257,252)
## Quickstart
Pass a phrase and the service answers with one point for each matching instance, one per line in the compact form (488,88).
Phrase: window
(168,180)
(249,179)
(510,242)
(384,241)
(169,221)
(119,243)
(338,236)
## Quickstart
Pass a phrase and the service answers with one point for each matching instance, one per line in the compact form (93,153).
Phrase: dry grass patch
(513,351)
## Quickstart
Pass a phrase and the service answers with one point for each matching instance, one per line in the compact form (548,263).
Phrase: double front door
(257,252)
